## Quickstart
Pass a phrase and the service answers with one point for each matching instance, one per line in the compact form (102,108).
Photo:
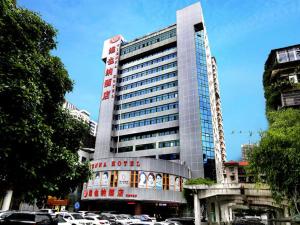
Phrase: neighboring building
(246,150)
(82,115)
(282,77)
(86,154)
(93,127)
(235,172)
(160,118)
(218,109)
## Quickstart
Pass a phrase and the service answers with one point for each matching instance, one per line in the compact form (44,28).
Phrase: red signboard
(111,63)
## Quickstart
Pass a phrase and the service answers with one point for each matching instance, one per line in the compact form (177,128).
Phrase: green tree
(38,139)
(278,156)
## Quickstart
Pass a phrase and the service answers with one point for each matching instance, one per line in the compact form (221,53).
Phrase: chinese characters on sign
(111,192)
(111,68)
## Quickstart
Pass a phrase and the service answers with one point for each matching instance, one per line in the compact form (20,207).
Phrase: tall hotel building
(160,117)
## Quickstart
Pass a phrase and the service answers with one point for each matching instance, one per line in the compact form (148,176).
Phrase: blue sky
(241,35)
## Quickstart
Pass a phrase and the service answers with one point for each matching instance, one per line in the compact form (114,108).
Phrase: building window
(151,62)
(114,179)
(151,40)
(173,156)
(148,72)
(134,178)
(125,149)
(146,122)
(145,147)
(142,112)
(83,159)
(148,90)
(167,144)
(166,181)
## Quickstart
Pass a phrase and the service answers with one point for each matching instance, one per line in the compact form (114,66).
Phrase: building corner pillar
(7,200)
(197,209)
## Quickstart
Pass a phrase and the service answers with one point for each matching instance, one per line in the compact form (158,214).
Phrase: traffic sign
(77,205)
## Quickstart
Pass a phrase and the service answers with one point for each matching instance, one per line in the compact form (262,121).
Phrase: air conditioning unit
(293,79)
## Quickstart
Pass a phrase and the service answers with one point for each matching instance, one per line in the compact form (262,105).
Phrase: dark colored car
(183,220)
(32,218)
(4,214)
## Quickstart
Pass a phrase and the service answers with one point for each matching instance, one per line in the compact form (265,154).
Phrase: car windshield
(77,216)
(119,217)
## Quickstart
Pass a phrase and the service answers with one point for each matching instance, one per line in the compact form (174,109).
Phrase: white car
(62,221)
(96,219)
(143,218)
(50,211)
(74,218)
(143,223)
(130,218)
(120,220)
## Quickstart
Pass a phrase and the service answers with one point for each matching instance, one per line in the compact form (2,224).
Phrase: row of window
(148,63)
(148,90)
(149,41)
(149,55)
(147,101)
(145,146)
(146,122)
(147,111)
(147,72)
(149,135)
(147,81)
(207,137)
(203,92)
(166,144)
(288,55)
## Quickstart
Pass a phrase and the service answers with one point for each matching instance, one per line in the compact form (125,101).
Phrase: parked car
(119,220)
(4,214)
(83,213)
(143,223)
(23,218)
(130,218)
(144,218)
(108,217)
(74,218)
(96,219)
(50,211)
(167,223)
(62,221)
(182,220)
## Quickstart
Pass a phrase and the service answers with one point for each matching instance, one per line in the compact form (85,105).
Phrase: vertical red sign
(111,68)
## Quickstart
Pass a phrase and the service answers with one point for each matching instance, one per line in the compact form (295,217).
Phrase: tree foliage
(278,155)
(38,139)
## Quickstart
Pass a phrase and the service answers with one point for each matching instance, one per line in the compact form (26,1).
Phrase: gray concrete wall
(189,114)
